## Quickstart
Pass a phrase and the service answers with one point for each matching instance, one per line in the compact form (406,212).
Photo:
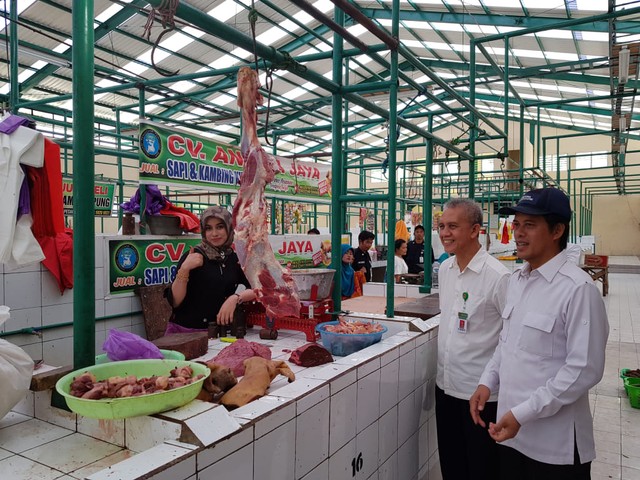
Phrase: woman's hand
(228,308)
(193,260)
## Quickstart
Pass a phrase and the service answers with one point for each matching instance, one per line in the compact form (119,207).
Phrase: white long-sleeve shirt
(551,352)
(462,355)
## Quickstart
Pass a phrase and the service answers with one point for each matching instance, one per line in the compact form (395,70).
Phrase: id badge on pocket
(463,322)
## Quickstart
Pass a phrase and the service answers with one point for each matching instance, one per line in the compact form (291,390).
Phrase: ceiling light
(623,65)
(622,124)
(45,57)
(623,149)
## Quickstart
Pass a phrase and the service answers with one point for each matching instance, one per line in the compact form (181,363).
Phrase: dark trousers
(466,450)
(517,466)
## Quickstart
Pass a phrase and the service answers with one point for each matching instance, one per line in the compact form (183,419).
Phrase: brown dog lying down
(258,375)
(216,384)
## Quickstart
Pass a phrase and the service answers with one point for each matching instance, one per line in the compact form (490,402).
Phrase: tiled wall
(33,296)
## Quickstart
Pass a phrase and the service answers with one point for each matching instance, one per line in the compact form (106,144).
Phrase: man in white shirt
(472,293)
(551,351)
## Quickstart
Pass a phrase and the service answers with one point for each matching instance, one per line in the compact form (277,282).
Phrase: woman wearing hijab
(351,280)
(206,284)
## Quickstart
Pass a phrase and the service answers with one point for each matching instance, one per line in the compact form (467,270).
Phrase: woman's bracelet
(239,298)
(182,275)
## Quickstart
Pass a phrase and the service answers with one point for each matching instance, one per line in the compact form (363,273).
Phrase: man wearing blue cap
(551,351)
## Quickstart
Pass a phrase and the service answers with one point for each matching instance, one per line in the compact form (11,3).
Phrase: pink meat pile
(235,354)
(87,386)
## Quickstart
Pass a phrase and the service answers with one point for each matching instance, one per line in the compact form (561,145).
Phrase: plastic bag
(129,346)
(16,368)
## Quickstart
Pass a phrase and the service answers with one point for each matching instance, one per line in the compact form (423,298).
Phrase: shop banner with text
(169,156)
(302,251)
(137,262)
(103,194)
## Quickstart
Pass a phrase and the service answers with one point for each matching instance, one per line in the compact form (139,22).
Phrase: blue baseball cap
(543,201)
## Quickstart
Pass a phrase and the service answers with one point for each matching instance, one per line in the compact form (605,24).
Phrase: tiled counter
(366,416)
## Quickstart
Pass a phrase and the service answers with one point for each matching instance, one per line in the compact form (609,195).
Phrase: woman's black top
(208,287)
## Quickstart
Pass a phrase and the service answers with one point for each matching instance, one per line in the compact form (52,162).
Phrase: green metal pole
(474,131)
(84,309)
(427,211)
(521,165)
(119,160)
(142,188)
(506,97)
(14,91)
(337,207)
(393,142)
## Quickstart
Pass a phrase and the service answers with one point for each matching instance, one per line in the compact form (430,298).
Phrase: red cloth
(188,221)
(505,234)
(48,227)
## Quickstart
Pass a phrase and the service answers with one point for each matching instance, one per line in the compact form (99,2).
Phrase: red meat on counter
(310,355)
(235,354)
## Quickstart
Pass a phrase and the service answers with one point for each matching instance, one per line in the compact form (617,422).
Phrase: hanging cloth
(505,233)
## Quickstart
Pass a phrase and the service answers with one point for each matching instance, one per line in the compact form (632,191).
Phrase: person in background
(206,283)
(351,285)
(472,287)
(400,266)
(362,260)
(313,231)
(551,351)
(415,251)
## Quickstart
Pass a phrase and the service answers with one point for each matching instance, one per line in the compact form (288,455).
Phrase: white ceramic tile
(312,438)
(57,333)
(343,418)
(368,400)
(12,418)
(374,289)
(432,436)
(22,290)
(51,292)
(299,388)
(406,374)
(342,463)
(56,416)
(20,468)
(150,462)
(428,399)
(143,433)
(180,471)
(315,397)
(26,406)
(388,434)
(23,318)
(407,346)
(71,452)
(55,314)
(343,381)
(99,249)
(389,469)
(99,283)
(212,425)
(101,464)
(408,458)
(121,323)
(370,366)
(432,357)
(407,418)
(261,407)
(423,446)
(367,448)
(190,410)
(284,413)
(235,465)
(99,310)
(225,448)
(389,375)
(58,352)
(321,472)
(434,468)
(422,363)
(390,355)
(26,435)
(5,454)
(114,306)
(111,431)
(274,454)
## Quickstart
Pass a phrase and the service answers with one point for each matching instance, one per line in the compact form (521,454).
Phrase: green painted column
(337,170)
(143,189)
(14,91)
(521,163)
(473,133)
(427,210)
(84,281)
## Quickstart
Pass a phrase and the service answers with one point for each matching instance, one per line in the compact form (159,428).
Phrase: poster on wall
(302,251)
(103,194)
(169,156)
(139,263)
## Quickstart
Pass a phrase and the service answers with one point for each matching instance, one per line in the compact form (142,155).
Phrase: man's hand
(476,404)
(505,429)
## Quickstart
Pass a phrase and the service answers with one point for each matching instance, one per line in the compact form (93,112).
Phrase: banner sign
(169,156)
(103,194)
(136,263)
(302,251)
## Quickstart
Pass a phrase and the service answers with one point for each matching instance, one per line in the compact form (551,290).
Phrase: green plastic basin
(112,408)
(168,355)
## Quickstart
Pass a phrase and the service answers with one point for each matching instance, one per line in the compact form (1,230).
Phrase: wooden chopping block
(191,345)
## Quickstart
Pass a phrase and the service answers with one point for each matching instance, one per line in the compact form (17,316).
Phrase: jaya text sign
(102,197)
(136,263)
(173,157)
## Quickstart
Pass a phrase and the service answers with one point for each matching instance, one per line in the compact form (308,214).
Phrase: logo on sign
(127,258)
(150,143)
